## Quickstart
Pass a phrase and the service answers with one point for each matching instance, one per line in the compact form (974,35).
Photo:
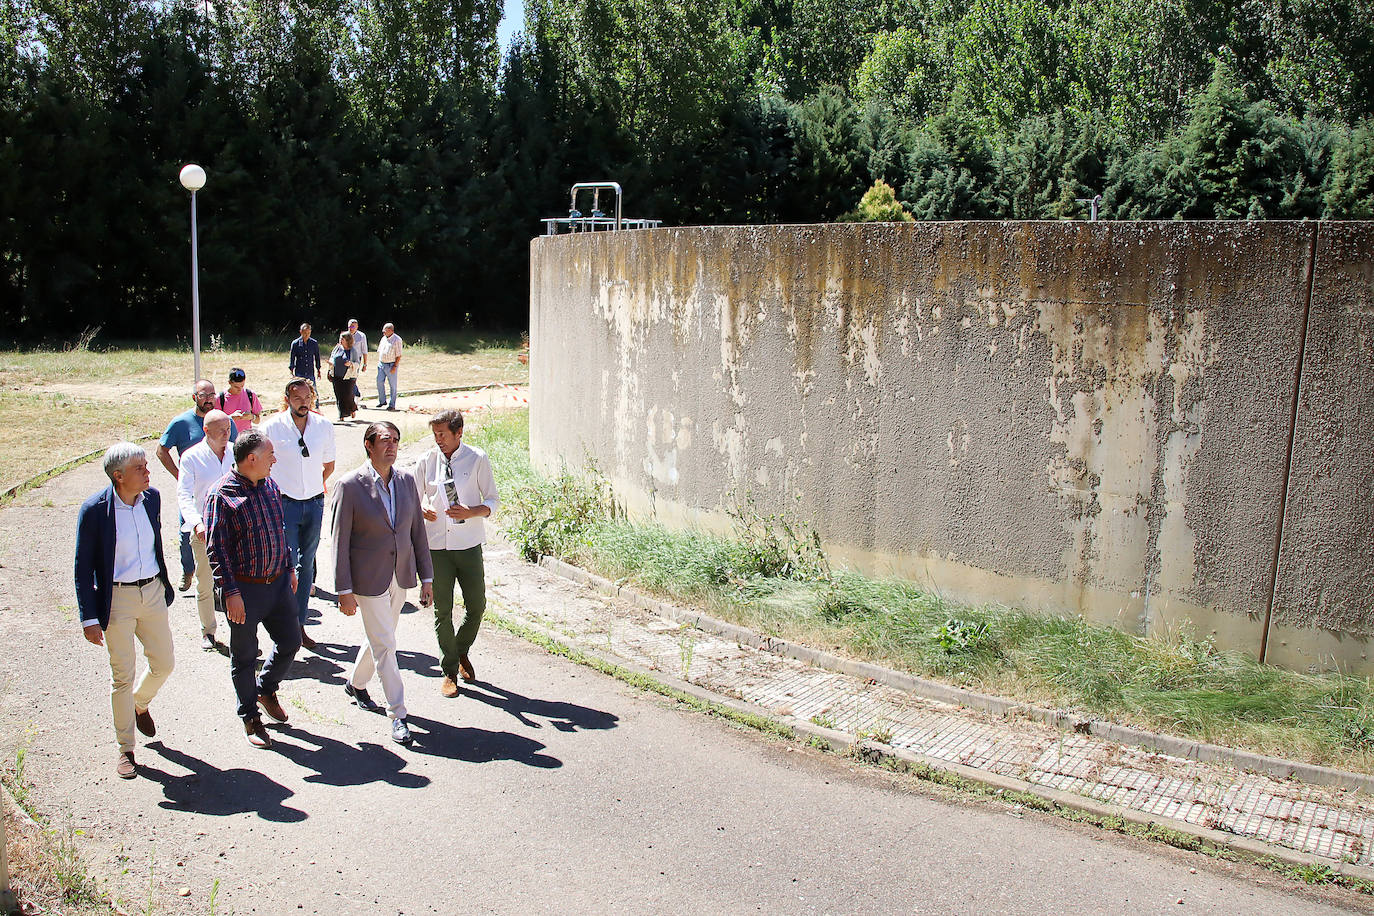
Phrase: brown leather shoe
(185,582)
(269,704)
(144,721)
(257,734)
(449,687)
(124,766)
(465,670)
(306,641)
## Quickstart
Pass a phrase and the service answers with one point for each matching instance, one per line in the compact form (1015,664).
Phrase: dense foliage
(377,157)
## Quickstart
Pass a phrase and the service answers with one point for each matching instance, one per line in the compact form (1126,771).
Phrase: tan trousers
(136,613)
(380,615)
(205,587)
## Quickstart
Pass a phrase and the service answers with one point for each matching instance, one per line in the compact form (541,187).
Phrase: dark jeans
(188,559)
(272,606)
(463,567)
(303,521)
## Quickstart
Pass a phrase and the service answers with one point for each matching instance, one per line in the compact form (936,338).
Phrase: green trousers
(465,568)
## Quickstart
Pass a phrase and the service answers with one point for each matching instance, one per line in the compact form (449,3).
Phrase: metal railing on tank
(596,220)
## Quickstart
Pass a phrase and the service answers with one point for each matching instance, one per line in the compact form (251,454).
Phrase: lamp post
(193,179)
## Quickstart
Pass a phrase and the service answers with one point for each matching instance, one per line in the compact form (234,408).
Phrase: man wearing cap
(304,445)
(203,465)
(240,403)
(122,591)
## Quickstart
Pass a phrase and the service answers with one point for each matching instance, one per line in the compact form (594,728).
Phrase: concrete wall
(1090,418)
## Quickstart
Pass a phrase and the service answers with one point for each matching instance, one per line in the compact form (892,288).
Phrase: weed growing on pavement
(823,720)
(686,645)
(771,575)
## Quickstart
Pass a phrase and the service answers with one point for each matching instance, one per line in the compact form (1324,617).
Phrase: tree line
(370,156)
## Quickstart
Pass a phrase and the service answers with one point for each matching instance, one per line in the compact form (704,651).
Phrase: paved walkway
(1219,802)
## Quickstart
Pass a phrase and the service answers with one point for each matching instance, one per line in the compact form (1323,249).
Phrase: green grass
(773,577)
(75,398)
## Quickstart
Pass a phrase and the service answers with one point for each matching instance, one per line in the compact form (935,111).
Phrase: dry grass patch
(57,405)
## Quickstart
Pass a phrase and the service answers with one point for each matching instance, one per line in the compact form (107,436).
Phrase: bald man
(202,466)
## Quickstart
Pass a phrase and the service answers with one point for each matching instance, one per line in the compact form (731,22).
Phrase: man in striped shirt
(246,541)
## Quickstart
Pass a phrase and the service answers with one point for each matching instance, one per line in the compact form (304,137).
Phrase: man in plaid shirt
(246,540)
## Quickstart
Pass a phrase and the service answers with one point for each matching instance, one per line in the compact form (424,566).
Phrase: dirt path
(545,787)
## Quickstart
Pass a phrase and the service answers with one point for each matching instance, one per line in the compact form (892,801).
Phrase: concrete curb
(1177,747)
(876,753)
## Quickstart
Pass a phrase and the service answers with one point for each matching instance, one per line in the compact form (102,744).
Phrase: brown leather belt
(254,580)
(139,584)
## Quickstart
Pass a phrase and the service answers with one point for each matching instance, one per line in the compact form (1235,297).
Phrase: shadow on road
(476,745)
(219,793)
(338,764)
(566,717)
(422,664)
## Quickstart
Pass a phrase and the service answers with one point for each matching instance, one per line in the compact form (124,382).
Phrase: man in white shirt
(359,354)
(202,465)
(304,443)
(457,491)
(122,591)
(388,361)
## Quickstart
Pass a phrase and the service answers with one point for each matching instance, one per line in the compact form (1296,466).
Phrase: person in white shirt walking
(202,466)
(388,362)
(457,491)
(304,443)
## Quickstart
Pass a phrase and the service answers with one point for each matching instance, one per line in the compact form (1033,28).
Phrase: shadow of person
(338,764)
(218,793)
(566,717)
(422,664)
(476,745)
(315,666)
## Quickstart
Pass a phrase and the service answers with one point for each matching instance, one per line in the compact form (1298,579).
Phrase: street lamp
(193,179)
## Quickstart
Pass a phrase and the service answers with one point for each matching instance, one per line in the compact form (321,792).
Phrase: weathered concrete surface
(1326,577)
(1091,419)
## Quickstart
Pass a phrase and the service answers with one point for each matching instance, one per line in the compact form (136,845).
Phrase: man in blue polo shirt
(184,431)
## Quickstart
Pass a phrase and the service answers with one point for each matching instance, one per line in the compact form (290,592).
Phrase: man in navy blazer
(122,590)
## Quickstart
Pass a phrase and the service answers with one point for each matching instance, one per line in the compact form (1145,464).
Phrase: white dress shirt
(475,485)
(300,476)
(201,469)
(135,557)
(359,347)
(388,348)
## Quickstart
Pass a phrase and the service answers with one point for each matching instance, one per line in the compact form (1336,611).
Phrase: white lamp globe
(192,177)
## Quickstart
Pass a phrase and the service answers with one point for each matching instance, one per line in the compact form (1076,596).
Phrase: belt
(139,584)
(254,580)
(309,499)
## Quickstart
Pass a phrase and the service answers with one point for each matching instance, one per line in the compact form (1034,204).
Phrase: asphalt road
(545,787)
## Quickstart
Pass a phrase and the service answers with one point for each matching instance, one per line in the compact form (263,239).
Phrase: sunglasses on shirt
(305,452)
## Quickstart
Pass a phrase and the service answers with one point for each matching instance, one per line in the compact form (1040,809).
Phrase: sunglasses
(237,375)
(305,452)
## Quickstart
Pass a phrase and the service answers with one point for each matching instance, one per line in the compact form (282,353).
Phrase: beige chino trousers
(136,613)
(205,587)
(380,614)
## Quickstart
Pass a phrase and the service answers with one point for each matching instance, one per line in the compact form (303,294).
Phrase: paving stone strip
(1330,822)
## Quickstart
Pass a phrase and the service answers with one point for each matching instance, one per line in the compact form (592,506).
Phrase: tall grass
(772,575)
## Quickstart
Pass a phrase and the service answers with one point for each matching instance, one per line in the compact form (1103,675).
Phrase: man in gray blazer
(380,550)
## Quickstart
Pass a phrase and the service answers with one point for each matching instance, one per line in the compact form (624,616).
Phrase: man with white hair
(122,591)
(202,466)
(388,364)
